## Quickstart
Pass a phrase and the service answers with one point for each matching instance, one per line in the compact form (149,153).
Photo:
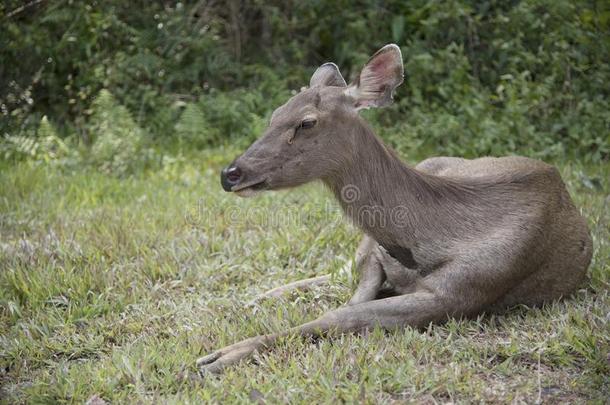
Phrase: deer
(474,236)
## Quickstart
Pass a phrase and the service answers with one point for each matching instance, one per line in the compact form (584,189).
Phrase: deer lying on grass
(472,236)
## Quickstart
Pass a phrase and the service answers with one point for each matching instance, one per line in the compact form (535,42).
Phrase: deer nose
(230,176)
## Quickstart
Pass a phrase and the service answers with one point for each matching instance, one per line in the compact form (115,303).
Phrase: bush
(42,146)
(482,77)
(193,128)
(118,146)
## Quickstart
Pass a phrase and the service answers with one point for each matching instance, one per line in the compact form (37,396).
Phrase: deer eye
(307,123)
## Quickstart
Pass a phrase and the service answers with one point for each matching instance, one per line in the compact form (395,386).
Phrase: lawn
(114,287)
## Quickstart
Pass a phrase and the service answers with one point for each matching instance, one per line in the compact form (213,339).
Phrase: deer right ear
(327,75)
(378,79)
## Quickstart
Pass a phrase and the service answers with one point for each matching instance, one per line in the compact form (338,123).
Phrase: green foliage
(42,146)
(482,77)
(234,116)
(192,128)
(117,146)
(521,79)
(221,116)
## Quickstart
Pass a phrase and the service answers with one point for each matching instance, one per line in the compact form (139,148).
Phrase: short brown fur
(475,235)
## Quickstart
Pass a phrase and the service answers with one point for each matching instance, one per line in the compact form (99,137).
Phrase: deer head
(311,136)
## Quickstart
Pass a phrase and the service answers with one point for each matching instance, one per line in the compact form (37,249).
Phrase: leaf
(398,26)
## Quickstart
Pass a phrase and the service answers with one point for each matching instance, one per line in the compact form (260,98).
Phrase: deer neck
(388,200)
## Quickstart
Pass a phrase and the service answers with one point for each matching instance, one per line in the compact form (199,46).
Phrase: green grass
(115,287)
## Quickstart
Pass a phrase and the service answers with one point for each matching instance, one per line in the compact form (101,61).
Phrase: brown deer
(462,237)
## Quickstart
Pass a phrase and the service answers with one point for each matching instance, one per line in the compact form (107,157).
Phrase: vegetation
(121,261)
(114,287)
(482,77)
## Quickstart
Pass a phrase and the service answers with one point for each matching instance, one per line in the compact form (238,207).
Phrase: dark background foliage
(482,77)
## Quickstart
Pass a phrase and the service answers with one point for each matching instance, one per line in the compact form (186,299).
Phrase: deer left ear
(381,75)
(327,75)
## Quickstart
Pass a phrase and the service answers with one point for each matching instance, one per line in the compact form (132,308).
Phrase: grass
(114,287)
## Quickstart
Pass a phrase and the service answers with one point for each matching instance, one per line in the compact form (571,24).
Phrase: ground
(113,288)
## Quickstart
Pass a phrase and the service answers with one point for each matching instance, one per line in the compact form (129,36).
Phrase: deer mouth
(250,189)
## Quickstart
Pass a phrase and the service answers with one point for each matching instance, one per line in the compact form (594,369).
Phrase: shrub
(482,77)
(118,146)
(42,145)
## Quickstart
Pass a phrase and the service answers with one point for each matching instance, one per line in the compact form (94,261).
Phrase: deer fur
(451,237)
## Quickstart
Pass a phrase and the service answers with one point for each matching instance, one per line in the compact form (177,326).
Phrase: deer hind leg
(414,309)
(454,290)
(417,309)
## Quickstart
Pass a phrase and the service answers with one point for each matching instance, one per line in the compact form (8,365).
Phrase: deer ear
(327,75)
(378,79)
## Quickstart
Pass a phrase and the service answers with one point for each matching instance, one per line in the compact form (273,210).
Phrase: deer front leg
(372,277)
(302,285)
(369,266)
(417,309)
